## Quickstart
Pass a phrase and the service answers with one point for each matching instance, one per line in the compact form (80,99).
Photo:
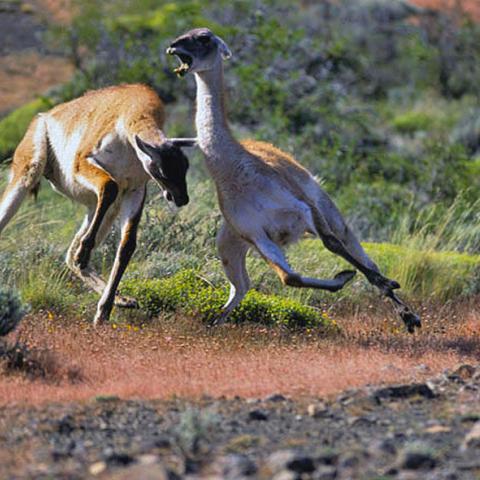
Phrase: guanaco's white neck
(213,133)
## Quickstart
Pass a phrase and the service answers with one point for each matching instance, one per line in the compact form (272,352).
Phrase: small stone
(97,468)
(285,475)
(147,459)
(317,410)
(119,459)
(275,397)
(233,466)
(290,460)
(437,429)
(465,371)
(325,472)
(257,415)
(143,472)
(404,391)
(327,456)
(472,438)
(382,447)
(417,459)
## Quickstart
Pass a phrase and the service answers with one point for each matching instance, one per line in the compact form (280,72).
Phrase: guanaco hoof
(411,320)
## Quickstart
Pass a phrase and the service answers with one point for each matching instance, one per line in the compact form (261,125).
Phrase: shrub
(411,122)
(188,293)
(11,311)
(14,125)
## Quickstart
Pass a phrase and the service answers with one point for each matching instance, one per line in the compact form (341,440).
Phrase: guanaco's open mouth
(186,61)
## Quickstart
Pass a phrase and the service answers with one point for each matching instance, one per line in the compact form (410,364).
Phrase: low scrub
(189,293)
(11,311)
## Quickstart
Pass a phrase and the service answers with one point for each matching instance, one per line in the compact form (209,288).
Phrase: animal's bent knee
(332,243)
(292,280)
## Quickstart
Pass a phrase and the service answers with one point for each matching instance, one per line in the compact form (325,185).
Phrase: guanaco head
(168,166)
(198,50)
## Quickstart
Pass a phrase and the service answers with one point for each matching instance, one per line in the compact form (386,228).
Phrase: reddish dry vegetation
(470,7)
(180,357)
(26,75)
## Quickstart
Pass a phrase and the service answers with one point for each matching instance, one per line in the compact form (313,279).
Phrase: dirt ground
(179,400)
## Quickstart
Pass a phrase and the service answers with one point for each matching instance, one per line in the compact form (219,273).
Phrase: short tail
(28,166)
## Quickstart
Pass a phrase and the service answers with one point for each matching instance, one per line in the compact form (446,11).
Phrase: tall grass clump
(440,251)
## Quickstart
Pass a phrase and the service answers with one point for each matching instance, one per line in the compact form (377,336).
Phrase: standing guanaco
(100,150)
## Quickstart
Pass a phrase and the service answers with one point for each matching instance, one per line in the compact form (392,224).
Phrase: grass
(188,293)
(171,249)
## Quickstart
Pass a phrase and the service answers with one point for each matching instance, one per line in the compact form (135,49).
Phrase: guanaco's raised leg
(276,259)
(130,214)
(339,239)
(232,250)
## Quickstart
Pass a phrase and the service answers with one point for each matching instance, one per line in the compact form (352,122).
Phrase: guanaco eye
(204,39)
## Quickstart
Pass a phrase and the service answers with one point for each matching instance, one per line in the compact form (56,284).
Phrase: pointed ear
(144,146)
(224,50)
(183,142)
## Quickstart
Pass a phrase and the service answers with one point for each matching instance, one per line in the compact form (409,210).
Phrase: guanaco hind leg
(28,164)
(276,259)
(339,239)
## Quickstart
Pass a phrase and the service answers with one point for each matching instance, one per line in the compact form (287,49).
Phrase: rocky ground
(429,430)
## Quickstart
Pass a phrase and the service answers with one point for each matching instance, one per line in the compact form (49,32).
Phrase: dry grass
(24,76)
(472,7)
(180,357)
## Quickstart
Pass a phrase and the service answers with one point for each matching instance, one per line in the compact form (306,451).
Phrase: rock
(233,466)
(327,456)
(285,475)
(325,472)
(119,459)
(404,391)
(317,410)
(257,415)
(417,458)
(147,459)
(290,460)
(381,447)
(465,371)
(97,468)
(143,472)
(275,397)
(472,438)
(437,429)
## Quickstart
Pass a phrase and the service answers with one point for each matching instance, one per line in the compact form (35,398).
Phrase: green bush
(412,122)
(187,292)
(14,125)
(11,311)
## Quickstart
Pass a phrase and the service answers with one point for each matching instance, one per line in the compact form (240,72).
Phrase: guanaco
(266,197)
(100,150)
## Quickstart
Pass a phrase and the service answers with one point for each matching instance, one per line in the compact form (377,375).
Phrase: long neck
(213,134)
